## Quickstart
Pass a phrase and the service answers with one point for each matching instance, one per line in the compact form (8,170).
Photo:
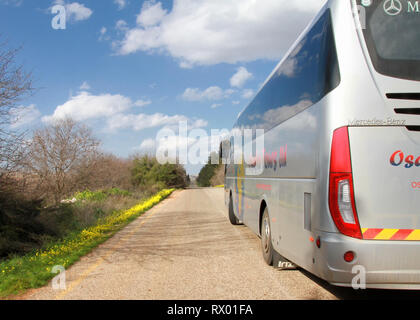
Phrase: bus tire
(266,243)
(232,218)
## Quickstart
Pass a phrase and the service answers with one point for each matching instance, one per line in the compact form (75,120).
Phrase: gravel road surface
(184,248)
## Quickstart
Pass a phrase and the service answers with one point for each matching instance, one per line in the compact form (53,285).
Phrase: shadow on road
(368,294)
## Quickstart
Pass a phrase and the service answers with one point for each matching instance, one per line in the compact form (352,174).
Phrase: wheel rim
(266,235)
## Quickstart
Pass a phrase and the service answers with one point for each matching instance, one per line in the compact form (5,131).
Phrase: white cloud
(121,25)
(138,122)
(120,3)
(102,34)
(142,103)
(22,116)
(303,120)
(199,123)
(75,11)
(275,116)
(114,110)
(151,14)
(148,145)
(240,77)
(247,94)
(216,105)
(211,93)
(290,66)
(229,92)
(206,32)
(140,39)
(185,65)
(86,106)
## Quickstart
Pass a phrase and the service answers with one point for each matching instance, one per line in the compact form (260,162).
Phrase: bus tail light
(341,192)
(349,256)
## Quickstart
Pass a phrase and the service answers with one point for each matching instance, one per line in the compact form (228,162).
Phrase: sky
(130,68)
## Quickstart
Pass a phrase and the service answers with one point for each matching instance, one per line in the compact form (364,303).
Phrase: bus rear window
(393,37)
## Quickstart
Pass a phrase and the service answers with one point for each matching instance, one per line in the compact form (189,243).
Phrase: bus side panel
(252,205)
(284,186)
(294,241)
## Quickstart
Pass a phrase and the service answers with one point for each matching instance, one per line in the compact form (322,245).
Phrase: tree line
(64,156)
(211,174)
(41,168)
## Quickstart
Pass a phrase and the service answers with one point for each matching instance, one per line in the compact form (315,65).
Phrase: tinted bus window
(304,78)
(392,37)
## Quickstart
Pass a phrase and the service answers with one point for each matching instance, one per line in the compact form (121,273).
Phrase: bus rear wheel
(232,218)
(267,245)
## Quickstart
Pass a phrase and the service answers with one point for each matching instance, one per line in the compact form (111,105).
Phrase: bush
(20,228)
(206,174)
(88,195)
(147,171)
(118,192)
(211,174)
(101,195)
(218,178)
(25,225)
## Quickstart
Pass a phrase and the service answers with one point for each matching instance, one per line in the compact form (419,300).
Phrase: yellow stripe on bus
(386,234)
(414,236)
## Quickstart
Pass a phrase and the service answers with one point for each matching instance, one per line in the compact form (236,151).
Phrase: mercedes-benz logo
(393,7)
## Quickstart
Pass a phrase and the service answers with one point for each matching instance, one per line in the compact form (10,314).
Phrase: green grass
(34,270)
(100,195)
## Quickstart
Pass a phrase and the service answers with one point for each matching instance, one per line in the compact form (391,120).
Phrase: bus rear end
(374,173)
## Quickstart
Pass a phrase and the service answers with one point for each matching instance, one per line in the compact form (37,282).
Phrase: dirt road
(184,248)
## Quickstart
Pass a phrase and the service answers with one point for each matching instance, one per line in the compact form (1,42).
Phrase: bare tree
(15,84)
(57,155)
(107,171)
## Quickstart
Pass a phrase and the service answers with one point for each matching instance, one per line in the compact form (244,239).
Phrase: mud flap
(282,263)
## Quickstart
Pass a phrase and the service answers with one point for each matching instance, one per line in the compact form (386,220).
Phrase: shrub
(147,171)
(20,229)
(118,192)
(101,195)
(88,195)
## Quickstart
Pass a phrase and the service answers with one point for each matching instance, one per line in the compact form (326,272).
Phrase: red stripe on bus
(402,234)
(371,233)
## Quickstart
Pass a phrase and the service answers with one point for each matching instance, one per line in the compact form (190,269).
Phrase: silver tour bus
(340,185)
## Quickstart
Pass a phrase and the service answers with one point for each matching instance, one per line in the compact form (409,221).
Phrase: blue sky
(128,68)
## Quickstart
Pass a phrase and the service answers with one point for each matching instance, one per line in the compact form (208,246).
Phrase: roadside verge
(35,270)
